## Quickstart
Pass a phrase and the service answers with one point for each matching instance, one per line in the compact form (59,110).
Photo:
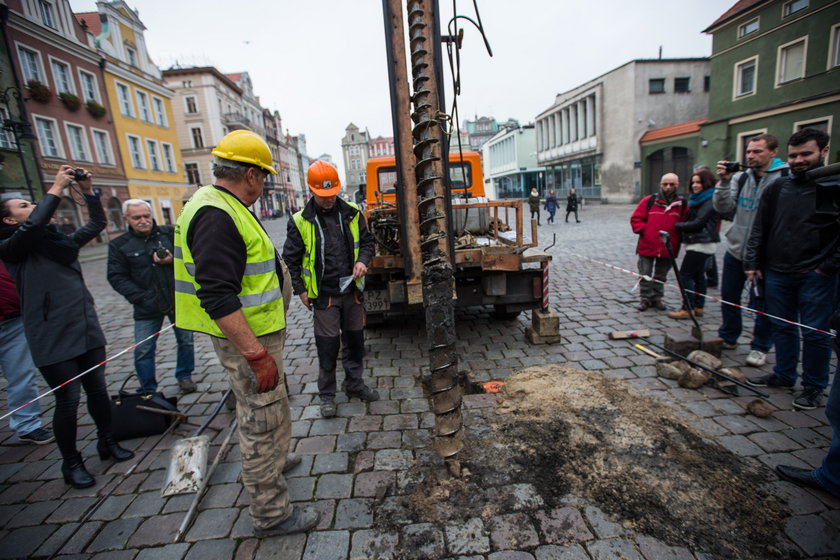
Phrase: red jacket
(648,223)
(9,301)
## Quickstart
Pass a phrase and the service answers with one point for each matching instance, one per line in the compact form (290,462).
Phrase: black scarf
(54,245)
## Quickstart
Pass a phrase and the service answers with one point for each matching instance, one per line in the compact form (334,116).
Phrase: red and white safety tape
(829,332)
(102,363)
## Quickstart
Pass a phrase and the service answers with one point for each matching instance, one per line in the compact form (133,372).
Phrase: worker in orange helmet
(328,249)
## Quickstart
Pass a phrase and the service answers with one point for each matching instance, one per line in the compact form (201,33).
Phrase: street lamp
(20,129)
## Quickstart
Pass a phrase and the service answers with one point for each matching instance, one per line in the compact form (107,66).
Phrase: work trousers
(693,278)
(65,417)
(144,354)
(658,269)
(265,429)
(339,319)
(17,366)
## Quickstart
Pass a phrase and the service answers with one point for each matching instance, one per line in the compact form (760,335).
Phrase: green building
(775,68)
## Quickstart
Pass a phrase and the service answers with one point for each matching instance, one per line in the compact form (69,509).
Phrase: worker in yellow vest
(328,248)
(228,284)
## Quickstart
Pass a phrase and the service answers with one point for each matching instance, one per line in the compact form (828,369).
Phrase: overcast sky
(321,63)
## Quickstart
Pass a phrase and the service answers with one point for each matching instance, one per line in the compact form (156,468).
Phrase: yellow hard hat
(246,147)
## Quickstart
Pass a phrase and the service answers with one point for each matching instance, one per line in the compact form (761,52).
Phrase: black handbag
(129,420)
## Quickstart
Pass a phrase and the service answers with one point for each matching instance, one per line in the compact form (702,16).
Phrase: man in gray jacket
(738,194)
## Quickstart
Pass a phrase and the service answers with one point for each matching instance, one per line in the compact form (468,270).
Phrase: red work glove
(263,365)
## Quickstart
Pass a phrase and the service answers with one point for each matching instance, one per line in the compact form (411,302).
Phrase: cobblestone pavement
(354,463)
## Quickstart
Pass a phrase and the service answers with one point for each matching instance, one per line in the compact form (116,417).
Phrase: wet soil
(580,437)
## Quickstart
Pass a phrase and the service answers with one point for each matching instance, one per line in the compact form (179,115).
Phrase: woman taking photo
(700,237)
(59,318)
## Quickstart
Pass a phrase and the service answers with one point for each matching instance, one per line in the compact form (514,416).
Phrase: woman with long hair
(58,314)
(700,237)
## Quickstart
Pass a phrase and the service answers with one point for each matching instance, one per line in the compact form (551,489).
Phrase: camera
(161,251)
(732,166)
(79,175)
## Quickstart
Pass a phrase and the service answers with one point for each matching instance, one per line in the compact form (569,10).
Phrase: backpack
(651,199)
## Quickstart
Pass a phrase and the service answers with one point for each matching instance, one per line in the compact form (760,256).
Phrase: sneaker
(38,436)
(770,380)
(328,409)
(366,394)
(808,399)
(187,385)
(300,521)
(681,314)
(756,358)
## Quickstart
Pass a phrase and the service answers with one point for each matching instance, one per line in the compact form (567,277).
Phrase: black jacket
(133,273)
(701,224)
(293,249)
(797,228)
(58,313)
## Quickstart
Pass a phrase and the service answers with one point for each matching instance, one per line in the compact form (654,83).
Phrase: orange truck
(493,264)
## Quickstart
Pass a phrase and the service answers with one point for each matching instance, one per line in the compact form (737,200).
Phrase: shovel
(188,463)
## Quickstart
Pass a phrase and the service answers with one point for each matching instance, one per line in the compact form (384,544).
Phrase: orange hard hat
(322,179)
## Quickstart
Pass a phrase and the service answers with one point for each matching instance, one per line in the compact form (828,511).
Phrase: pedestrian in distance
(657,212)
(229,283)
(59,317)
(18,369)
(328,249)
(551,205)
(572,203)
(140,268)
(699,233)
(736,199)
(534,204)
(794,248)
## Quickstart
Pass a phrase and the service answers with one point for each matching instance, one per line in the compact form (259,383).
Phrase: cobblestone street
(356,465)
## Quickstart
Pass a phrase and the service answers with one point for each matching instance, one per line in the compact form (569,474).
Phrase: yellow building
(141,108)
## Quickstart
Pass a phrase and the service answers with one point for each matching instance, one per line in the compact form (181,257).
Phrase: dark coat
(294,248)
(133,273)
(58,313)
(571,203)
(534,202)
(701,224)
(551,204)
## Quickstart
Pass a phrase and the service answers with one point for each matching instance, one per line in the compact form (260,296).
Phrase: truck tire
(501,312)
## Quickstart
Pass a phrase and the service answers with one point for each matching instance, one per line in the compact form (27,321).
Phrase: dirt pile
(573,433)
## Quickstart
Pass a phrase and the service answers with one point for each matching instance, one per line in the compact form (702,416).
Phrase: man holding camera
(140,268)
(794,246)
(736,196)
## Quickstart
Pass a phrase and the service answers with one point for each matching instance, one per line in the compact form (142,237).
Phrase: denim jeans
(17,366)
(805,298)
(829,472)
(731,286)
(144,354)
(693,277)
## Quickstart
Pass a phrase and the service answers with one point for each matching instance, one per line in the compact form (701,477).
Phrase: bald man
(657,212)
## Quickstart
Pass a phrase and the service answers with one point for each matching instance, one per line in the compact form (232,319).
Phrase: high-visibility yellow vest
(307,233)
(261,298)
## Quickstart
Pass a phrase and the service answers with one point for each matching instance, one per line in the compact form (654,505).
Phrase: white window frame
(168,153)
(781,49)
(192,137)
(39,70)
(7,139)
(87,156)
(736,82)
(187,105)
(127,100)
(798,125)
(142,95)
(94,82)
(786,4)
(69,74)
(141,156)
(51,10)
(108,157)
(742,33)
(131,56)
(153,149)
(59,145)
(741,155)
(160,117)
(833,57)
